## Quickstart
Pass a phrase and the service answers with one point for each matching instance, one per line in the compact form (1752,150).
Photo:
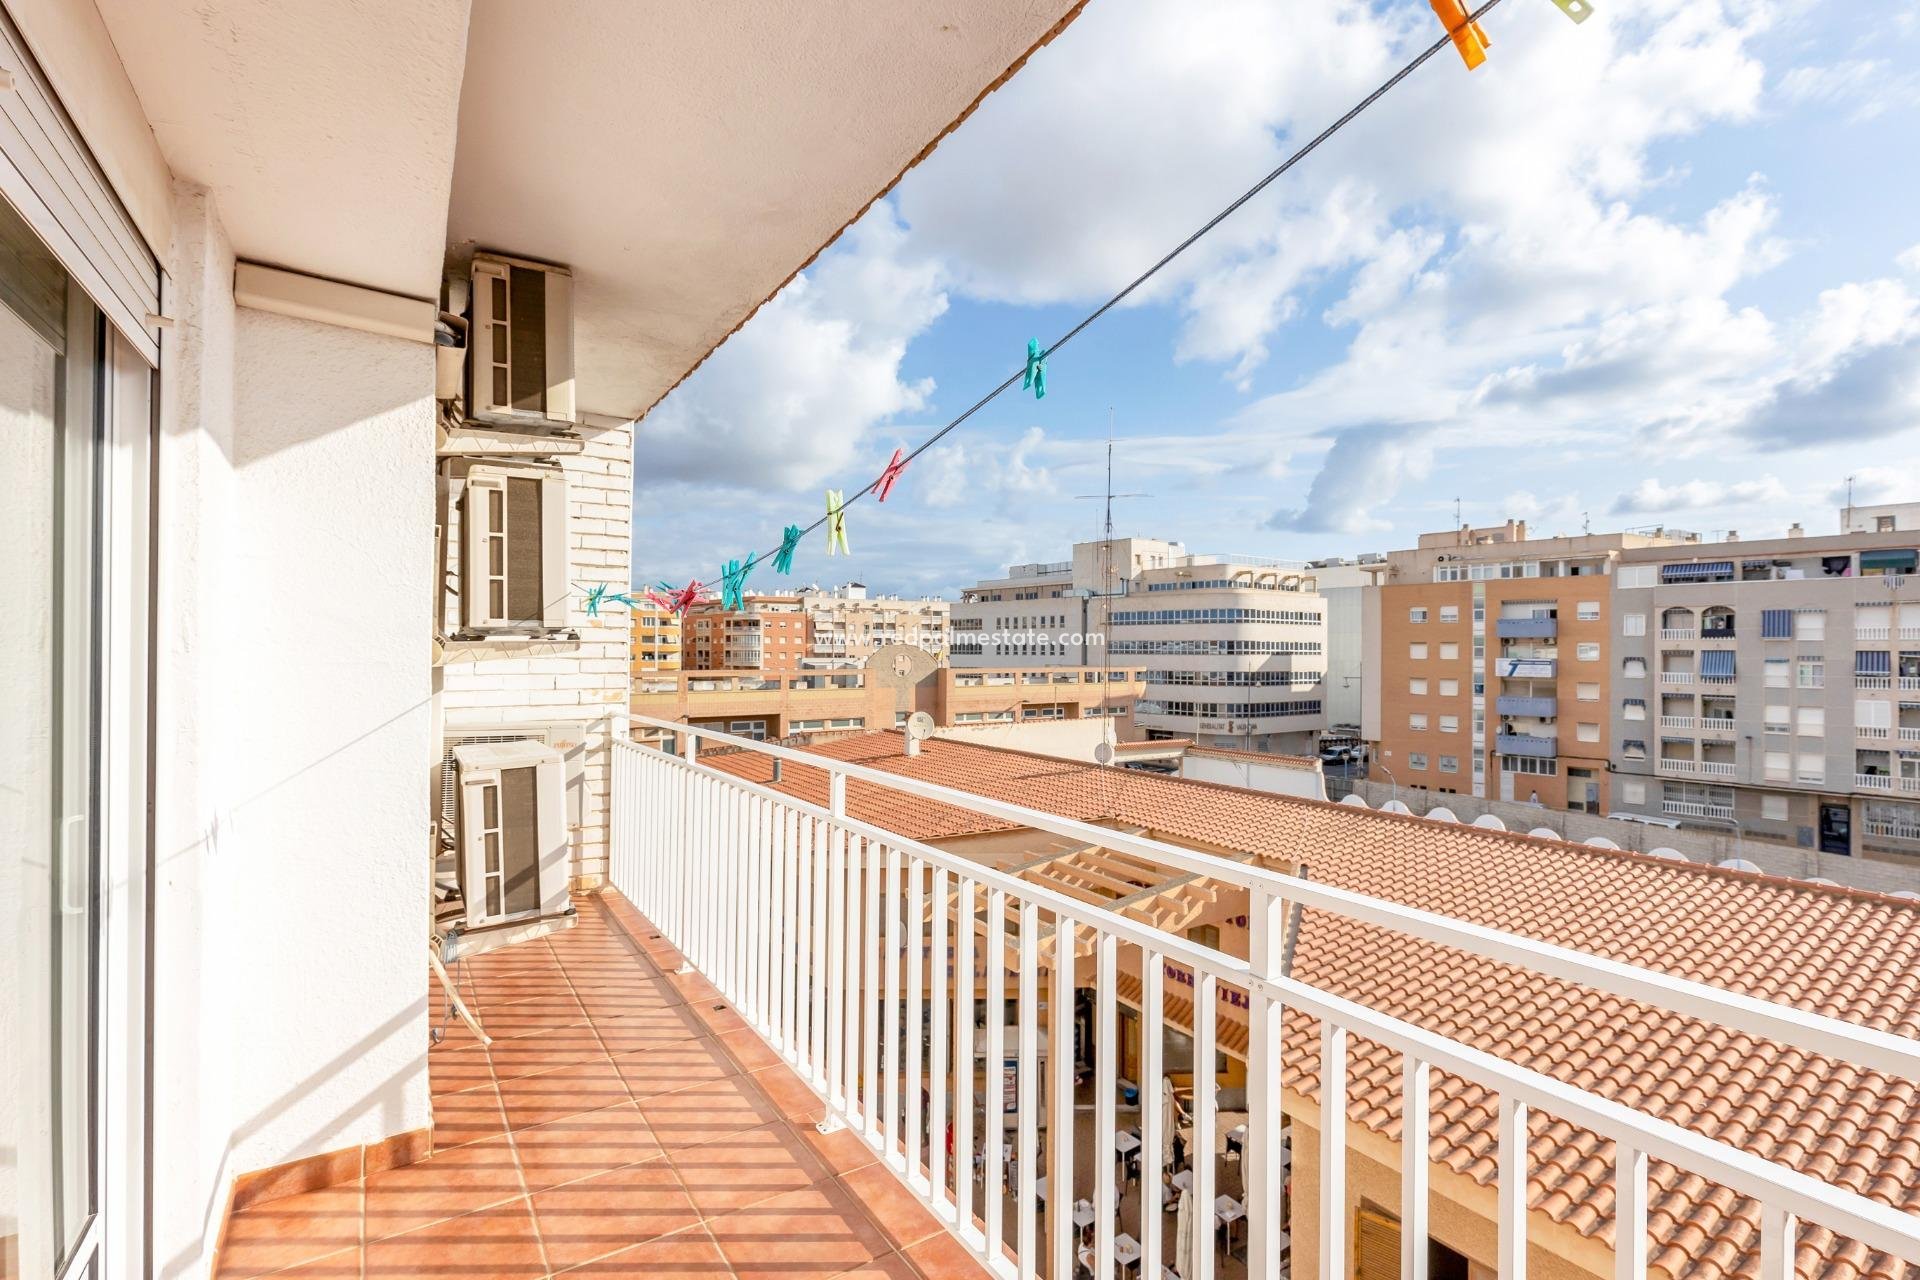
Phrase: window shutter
(1376,1246)
(555,550)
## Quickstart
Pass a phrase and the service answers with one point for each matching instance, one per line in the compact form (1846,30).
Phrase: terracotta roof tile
(1845,953)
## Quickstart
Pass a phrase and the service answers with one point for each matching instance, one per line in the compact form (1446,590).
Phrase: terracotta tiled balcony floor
(623,1123)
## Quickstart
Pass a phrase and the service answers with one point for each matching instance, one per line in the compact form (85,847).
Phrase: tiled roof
(1840,952)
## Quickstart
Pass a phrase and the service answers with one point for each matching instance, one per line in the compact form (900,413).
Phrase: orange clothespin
(1468,38)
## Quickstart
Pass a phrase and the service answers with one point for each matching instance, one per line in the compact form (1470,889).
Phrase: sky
(1662,267)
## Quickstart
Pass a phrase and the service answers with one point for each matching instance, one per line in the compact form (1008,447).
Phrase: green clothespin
(1578,10)
(783,558)
(1036,377)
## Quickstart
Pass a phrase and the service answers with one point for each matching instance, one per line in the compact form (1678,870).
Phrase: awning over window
(1701,569)
(1717,662)
(1633,702)
(1888,561)
(1873,662)
(1776,624)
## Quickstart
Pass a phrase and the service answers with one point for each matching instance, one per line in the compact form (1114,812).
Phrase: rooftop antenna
(1106,591)
(1846,519)
(1586,523)
(1456,511)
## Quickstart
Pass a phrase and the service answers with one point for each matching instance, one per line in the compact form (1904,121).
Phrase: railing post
(683,941)
(1416,1093)
(1779,1238)
(890,1016)
(1629,1212)
(1267,916)
(913,1040)
(1333,1151)
(1106,1052)
(1060,1127)
(1206,1084)
(993,1102)
(1027,1052)
(939,1063)
(1512,1172)
(1153,1135)
(963,1058)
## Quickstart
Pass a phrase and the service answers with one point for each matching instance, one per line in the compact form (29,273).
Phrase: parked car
(1339,753)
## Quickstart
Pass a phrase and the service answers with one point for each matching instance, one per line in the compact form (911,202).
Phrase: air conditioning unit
(513,548)
(520,342)
(510,831)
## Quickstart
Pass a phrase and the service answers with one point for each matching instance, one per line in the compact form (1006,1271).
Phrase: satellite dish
(1738,864)
(1441,813)
(1670,854)
(1354,799)
(920,726)
(1488,822)
(1103,753)
(901,668)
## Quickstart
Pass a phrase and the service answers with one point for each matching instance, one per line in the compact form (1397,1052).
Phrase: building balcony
(1877,732)
(1526,628)
(1874,682)
(1677,633)
(1718,768)
(798,945)
(1872,633)
(1526,668)
(1526,744)
(1873,782)
(1520,705)
(1887,830)
(1695,809)
(1676,722)
(1677,677)
(1910,733)
(1717,726)
(1678,765)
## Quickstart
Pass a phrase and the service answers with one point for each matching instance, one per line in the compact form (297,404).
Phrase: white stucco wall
(1236,771)
(295,547)
(1068,739)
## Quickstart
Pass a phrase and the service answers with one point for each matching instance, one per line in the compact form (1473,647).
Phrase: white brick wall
(506,683)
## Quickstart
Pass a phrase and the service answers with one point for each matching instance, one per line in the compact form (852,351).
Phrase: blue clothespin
(1036,379)
(733,582)
(602,593)
(783,558)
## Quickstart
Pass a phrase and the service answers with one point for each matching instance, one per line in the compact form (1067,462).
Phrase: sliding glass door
(55,401)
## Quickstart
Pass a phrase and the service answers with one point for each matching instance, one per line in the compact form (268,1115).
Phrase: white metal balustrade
(800,917)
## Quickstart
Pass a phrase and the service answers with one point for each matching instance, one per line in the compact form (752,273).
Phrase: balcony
(1526,628)
(1717,726)
(1872,633)
(819,931)
(1678,765)
(1526,744)
(1875,682)
(1676,677)
(1872,731)
(1519,705)
(1695,809)
(1676,722)
(1677,633)
(1872,782)
(1718,768)
(1910,733)
(1526,668)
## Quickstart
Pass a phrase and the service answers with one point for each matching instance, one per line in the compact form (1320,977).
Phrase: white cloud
(1363,471)
(788,401)
(1865,87)
(1909,259)
(1651,497)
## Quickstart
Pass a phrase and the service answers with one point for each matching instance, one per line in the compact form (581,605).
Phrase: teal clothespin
(1036,379)
(602,593)
(783,558)
(733,582)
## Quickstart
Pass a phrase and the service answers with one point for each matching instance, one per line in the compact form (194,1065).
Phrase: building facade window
(1417,652)
(1633,668)
(1810,624)
(1449,724)
(1449,764)
(1587,611)
(1417,614)
(1417,688)
(1812,673)
(1450,652)
(1811,722)
(1773,808)
(1449,613)
(1417,761)
(1417,721)
(1588,651)
(1633,624)
(1587,732)
(1449,688)
(1587,691)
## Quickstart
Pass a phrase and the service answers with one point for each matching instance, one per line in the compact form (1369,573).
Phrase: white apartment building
(1233,647)
(1344,585)
(845,625)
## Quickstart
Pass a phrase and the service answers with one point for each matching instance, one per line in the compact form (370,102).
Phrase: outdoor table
(1184,1180)
(1226,1212)
(1083,1213)
(1126,1250)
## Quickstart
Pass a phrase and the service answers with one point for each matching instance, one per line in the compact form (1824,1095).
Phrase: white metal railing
(1695,809)
(800,915)
(1873,782)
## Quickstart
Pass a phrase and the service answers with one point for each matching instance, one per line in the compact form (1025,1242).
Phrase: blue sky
(1663,267)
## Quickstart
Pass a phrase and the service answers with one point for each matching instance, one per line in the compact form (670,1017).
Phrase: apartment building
(845,625)
(1346,586)
(1774,686)
(766,633)
(656,637)
(1487,663)
(1233,647)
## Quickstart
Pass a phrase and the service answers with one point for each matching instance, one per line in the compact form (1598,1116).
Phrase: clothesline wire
(1305,150)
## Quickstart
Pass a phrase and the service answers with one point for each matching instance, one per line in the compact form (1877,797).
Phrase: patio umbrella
(1183,1235)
